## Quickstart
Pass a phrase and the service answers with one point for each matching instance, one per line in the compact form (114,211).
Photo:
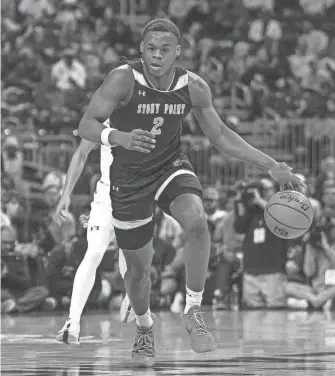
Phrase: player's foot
(144,353)
(127,314)
(70,333)
(200,338)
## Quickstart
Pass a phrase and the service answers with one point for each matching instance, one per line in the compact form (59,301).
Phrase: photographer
(228,264)
(19,290)
(264,253)
(318,267)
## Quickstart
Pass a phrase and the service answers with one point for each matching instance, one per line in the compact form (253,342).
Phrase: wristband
(104,136)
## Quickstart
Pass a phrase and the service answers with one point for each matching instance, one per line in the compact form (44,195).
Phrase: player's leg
(127,313)
(136,244)
(98,239)
(181,198)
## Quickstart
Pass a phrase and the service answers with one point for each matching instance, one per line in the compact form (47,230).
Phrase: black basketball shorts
(133,208)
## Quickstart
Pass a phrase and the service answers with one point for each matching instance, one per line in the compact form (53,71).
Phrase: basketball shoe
(201,339)
(127,313)
(144,353)
(70,333)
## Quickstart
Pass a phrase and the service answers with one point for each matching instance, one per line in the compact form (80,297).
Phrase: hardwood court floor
(253,343)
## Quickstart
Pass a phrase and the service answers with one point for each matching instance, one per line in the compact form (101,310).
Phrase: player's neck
(160,83)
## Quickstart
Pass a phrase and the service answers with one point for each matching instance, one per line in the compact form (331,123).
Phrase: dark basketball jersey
(157,111)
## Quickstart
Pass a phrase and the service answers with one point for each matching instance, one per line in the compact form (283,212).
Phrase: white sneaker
(127,314)
(70,333)
(177,305)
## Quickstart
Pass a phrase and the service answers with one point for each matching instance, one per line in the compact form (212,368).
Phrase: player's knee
(94,256)
(196,225)
(139,272)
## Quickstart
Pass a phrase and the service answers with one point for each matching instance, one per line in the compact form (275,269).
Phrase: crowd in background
(262,58)
(266,57)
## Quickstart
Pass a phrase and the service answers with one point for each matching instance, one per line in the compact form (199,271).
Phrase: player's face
(159,51)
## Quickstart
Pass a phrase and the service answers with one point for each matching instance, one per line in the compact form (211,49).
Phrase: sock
(122,264)
(145,320)
(192,299)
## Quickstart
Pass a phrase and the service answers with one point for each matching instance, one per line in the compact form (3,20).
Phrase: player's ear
(142,47)
(178,50)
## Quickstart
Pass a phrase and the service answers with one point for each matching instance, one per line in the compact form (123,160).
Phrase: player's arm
(75,169)
(226,140)
(113,94)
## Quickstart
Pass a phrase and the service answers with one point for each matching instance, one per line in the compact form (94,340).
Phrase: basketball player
(99,233)
(146,101)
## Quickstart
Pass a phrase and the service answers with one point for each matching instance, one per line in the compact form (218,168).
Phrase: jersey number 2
(158,122)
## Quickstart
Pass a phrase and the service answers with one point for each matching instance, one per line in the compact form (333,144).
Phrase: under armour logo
(115,188)
(142,93)
(95,228)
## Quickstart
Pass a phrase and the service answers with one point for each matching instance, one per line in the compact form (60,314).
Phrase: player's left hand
(283,174)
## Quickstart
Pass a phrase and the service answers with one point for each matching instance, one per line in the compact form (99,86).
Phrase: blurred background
(271,67)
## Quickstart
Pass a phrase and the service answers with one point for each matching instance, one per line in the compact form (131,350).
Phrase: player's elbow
(83,129)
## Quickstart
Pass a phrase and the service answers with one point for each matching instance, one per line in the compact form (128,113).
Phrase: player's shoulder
(200,92)
(121,74)
(118,82)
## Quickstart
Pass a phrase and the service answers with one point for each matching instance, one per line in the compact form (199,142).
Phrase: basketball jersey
(103,185)
(157,111)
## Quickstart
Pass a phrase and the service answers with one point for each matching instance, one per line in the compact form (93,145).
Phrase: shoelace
(144,341)
(198,323)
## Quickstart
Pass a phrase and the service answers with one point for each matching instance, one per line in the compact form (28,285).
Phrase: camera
(324,225)
(247,190)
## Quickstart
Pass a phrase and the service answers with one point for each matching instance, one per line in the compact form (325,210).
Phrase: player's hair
(162,24)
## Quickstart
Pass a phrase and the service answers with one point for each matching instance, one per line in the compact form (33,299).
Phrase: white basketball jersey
(103,185)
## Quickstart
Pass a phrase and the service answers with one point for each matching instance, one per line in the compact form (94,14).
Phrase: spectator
(18,292)
(228,269)
(12,159)
(314,7)
(68,73)
(314,79)
(319,264)
(63,262)
(313,104)
(169,241)
(327,176)
(329,202)
(29,71)
(316,40)
(49,233)
(259,4)
(264,253)
(258,95)
(265,26)
(199,12)
(299,62)
(238,65)
(178,10)
(214,214)
(36,9)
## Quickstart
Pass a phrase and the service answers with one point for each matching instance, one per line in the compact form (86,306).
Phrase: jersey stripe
(169,179)
(140,78)
(182,82)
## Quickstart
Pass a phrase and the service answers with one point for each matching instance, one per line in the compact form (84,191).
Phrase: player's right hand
(62,210)
(139,140)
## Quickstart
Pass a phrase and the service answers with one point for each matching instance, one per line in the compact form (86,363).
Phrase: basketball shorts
(133,208)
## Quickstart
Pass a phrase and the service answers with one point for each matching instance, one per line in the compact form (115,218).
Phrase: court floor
(260,343)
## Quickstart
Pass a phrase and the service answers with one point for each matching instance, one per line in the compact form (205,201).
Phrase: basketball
(288,214)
